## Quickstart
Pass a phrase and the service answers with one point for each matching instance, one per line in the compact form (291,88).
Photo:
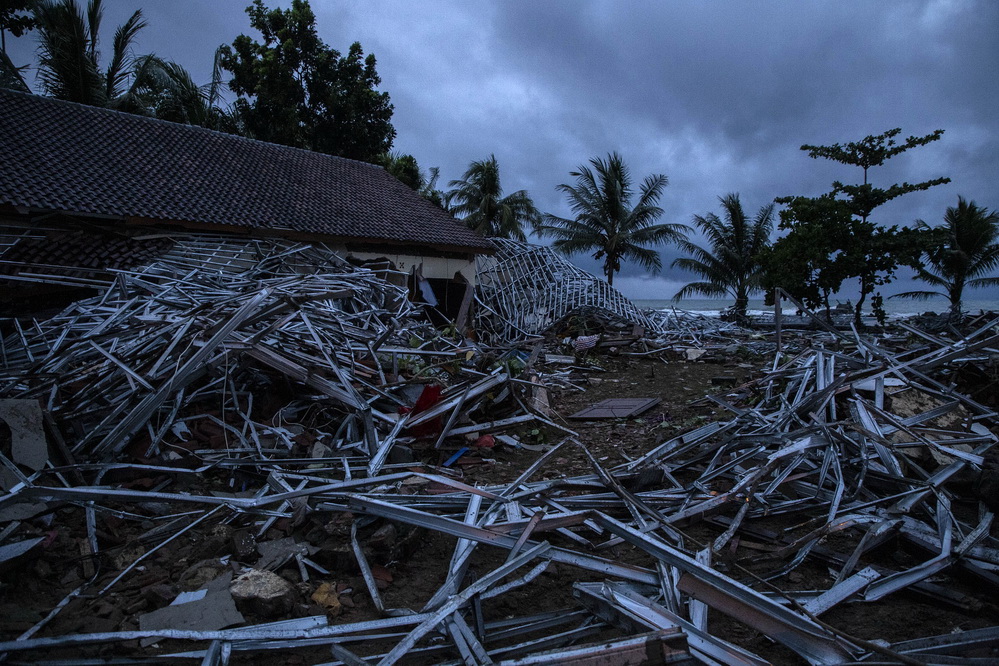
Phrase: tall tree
(807,263)
(295,90)
(864,250)
(408,171)
(17,18)
(731,266)
(477,199)
(965,249)
(607,222)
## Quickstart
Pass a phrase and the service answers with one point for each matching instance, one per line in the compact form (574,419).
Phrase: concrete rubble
(238,453)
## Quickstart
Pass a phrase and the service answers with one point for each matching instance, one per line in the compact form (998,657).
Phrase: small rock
(263,593)
(383,577)
(103,609)
(159,594)
(199,574)
(384,537)
(136,606)
(215,541)
(123,557)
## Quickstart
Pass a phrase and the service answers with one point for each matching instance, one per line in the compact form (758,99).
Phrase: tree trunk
(741,304)
(955,299)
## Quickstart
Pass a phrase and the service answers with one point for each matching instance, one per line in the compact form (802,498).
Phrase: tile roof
(62,156)
(79,253)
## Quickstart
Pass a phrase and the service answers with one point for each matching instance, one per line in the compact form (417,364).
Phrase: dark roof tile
(61,156)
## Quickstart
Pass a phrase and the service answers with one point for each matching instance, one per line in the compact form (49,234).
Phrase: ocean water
(895,307)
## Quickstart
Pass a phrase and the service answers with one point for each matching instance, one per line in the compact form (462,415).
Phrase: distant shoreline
(896,308)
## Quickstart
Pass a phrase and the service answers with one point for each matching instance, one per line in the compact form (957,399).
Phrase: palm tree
(731,266)
(68,56)
(607,222)
(477,198)
(69,69)
(967,252)
(428,190)
(168,92)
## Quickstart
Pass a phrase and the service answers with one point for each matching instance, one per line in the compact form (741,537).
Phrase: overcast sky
(716,95)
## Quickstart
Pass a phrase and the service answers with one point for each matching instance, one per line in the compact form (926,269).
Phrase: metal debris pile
(230,491)
(193,354)
(525,291)
(672,326)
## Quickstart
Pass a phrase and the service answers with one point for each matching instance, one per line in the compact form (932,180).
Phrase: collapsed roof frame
(527,290)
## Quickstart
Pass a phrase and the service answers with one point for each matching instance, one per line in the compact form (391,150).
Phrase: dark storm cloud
(716,95)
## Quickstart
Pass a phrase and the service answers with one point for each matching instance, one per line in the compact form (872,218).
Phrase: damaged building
(84,190)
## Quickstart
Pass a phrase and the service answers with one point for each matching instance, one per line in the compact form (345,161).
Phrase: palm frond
(702,288)
(95,12)
(10,75)
(119,69)
(731,264)
(65,67)
(918,295)
(983,282)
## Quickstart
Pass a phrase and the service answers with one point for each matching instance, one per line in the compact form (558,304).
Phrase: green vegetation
(295,90)
(477,199)
(607,223)
(732,264)
(961,254)
(291,87)
(831,238)
(68,65)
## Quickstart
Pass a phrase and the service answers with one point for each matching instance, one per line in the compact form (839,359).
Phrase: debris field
(274,457)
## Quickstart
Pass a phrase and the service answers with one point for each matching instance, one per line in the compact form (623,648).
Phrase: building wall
(433,267)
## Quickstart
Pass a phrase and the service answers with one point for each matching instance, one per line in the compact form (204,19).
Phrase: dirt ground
(411,563)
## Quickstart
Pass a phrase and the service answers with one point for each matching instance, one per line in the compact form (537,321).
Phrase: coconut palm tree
(731,266)
(478,200)
(69,68)
(68,55)
(169,93)
(607,223)
(967,251)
